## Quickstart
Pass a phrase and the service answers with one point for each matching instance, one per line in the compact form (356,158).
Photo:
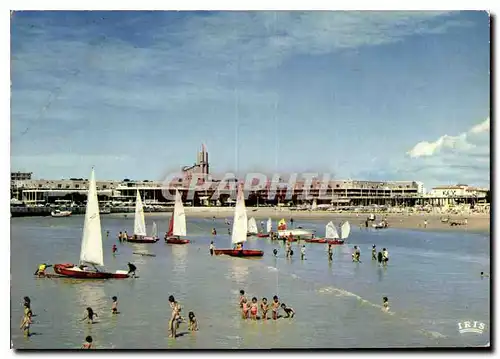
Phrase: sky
(360,95)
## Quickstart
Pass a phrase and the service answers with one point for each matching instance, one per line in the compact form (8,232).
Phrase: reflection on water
(239,270)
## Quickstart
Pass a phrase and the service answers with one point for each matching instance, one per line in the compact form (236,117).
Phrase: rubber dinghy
(177,227)
(239,232)
(91,254)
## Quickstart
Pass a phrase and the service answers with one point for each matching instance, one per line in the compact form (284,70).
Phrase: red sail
(171,226)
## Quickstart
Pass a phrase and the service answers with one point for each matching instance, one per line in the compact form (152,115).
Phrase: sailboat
(140,224)
(177,226)
(91,249)
(292,234)
(239,232)
(252,227)
(269,228)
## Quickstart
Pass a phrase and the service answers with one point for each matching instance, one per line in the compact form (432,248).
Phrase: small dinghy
(177,226)
(239,233)
(91,249)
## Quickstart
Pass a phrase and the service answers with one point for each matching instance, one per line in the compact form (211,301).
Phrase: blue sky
(362,95)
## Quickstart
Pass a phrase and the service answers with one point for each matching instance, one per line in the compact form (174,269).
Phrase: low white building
(459,190)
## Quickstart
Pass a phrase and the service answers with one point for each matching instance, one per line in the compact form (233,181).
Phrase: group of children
(250,310)
(122,236)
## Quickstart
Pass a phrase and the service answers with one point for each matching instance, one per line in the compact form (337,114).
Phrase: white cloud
(460,143)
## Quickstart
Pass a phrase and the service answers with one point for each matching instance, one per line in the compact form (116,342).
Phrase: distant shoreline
(476,222)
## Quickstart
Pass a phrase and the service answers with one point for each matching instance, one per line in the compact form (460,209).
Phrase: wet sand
(477,222)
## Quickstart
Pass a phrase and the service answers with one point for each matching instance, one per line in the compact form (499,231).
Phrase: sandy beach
(477,222)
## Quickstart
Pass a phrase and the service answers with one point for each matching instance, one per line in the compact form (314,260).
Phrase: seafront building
(339,193)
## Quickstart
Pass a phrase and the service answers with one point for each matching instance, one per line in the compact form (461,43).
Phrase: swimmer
(483,275)
(264,307)
(288,311)
(193,323)
(90,315)
(26,322)
(114,305)
(254,307)
(275,306)
(88,343)
(385,303)
(244,309)
(242,298)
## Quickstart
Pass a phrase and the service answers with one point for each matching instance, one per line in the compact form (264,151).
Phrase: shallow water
(432,282)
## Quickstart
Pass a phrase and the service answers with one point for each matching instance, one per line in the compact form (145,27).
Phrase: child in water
(385,302)
(303,252)
(379,257)
(288,311)
(193,323)
(275,306)
(90,315)
(244,309)
(88,343)
(275,252)
(114,305)
(374,252)
(254,307)
(264,307)
(242,297)
(114,249)
(26,322)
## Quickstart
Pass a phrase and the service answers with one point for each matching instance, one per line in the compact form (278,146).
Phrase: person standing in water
(356,254)
(114,249)
(120,237)
(275,306)
(385,303)
(303,252)
(291,222)
(264,307)
(89,315)
(26,322)
(131,269)
(114,305)
(374,253)
(380,257)
(214,232)
(330,252)
(174,317)
(212,248)
(385,256)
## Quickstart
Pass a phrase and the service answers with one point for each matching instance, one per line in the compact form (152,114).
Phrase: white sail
(139,221)
(252,226)
(331,231)
(154,230)
(179,216)
(345,230)
(269,225)
(91,251)
(240,222)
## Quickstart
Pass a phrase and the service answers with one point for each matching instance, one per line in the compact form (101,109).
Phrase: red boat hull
(142,240)
(239,252)
(315,240)
(335,241)
(67,270)
(177,241)
(263,235)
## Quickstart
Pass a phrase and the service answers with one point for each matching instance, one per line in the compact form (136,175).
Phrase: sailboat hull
(263,235)
(175,240)
(143,240)
(239,252)
(335,241)
(316,240)
(68,270)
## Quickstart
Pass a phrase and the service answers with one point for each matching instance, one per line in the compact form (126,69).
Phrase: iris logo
(471,327)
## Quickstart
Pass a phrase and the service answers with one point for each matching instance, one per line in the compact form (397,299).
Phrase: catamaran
(239,232)
(140,235)
(91,254)
(269,228)
(177,228)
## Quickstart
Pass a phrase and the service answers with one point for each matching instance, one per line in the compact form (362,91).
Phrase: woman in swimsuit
(264,307)
(244,309)
(275,307)
(174,318)
(254,307)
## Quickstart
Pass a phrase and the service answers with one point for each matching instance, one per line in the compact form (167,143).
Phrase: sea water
(432,281)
